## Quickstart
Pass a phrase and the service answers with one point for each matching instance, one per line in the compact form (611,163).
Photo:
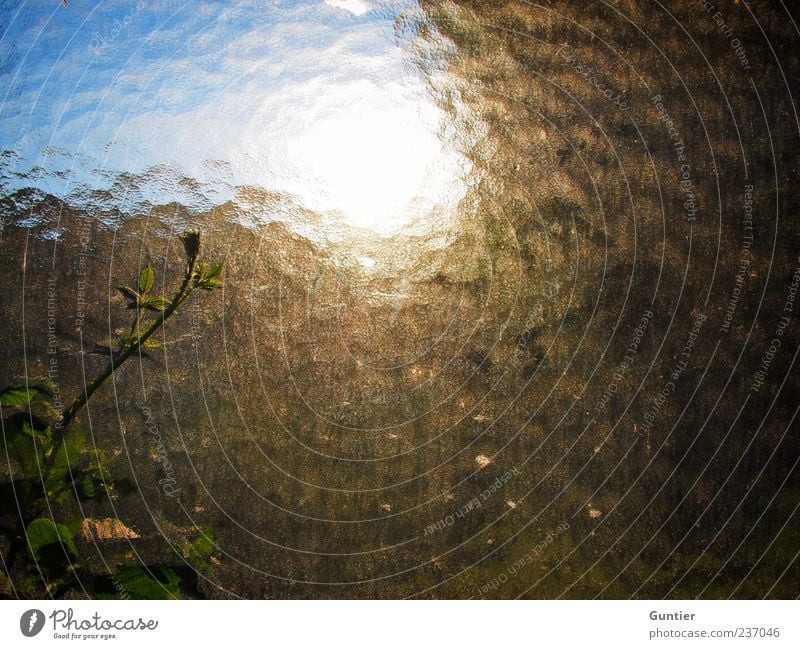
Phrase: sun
(373,155)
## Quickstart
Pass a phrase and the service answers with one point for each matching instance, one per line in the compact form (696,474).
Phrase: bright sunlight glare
(374,156)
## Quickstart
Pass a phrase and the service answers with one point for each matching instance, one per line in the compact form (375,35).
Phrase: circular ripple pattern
(583,387)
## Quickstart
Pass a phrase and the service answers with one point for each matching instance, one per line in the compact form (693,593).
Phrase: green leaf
(42,383)
(201,548)
(65,466)
(93,479)
(21,423)
(155,583)
(199,273)
(43,532)
(17,396)
(216,271)
(129,293)
(209,284)
(146,280)
(88,486)
(28,454)
(41,435)
(209,278)
(156,303)
(25,442)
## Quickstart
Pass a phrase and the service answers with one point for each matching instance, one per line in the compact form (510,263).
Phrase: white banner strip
(392,624)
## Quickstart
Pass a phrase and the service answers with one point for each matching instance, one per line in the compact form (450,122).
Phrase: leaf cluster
(142,299)
(55,462)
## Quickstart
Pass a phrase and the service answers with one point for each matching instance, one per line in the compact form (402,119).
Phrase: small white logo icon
(31,622)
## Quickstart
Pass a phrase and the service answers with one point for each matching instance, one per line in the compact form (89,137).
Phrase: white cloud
(355,7)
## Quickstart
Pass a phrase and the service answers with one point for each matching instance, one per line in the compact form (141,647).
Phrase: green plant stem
(135,324)
(69,414)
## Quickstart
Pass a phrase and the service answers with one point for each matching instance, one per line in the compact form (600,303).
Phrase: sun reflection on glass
(373,155)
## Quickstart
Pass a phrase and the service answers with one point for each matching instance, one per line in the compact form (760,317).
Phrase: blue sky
(217,90)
